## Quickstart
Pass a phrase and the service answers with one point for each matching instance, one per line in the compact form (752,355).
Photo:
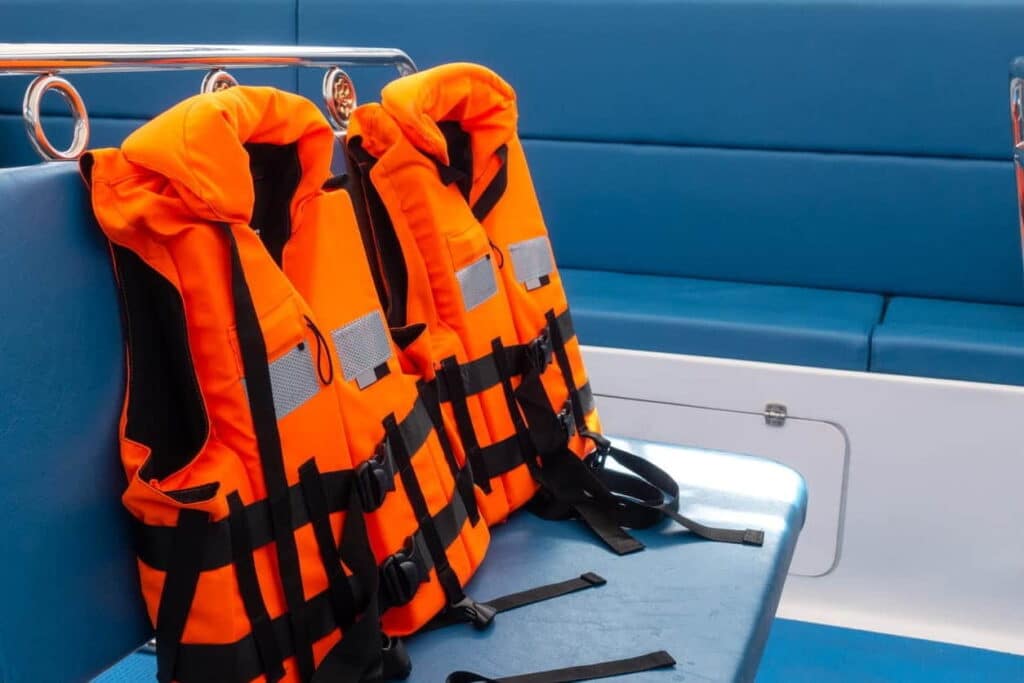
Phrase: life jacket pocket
(472,261)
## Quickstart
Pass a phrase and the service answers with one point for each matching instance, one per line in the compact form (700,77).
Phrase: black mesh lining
(383,249)
(405,336)
(276,172)
(165,409)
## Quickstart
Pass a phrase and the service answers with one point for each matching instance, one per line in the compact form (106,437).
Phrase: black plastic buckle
(375,478)
(598,458)
(480,614)
(567,420)
(396,663)
(540,352)
(401,575)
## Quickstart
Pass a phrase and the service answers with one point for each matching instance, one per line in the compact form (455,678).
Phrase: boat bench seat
(951,340)
(799,326)
(795,325)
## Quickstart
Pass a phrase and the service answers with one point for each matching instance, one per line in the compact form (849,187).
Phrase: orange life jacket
(436,270)
(452,215)
(287,475)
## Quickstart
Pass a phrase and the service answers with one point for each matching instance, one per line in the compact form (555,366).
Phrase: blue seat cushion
(776,324)
(951,340)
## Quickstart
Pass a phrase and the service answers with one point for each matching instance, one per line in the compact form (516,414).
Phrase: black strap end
(753,537)
(594,579)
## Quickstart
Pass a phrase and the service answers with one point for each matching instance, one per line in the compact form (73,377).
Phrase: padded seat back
(68,584)
(118,103)
(818,143)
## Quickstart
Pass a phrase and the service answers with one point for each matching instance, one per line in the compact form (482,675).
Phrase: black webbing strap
(637,506)
(416,426)
(558,343)
(482,373)
(154,544)
(359,655)
(451,377)
(503,456)
(587,672)
(435,546)
(264,419)
(342,599)
(494,191)
(271,662)
(405,570)
(463,475)
(507,603)
(530,596)
(242,661)
(178,591)
(524,449)
(570,487)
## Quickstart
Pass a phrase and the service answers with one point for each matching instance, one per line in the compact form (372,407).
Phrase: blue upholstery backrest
(117,103)
(822,143)
(69,591)
(819,143)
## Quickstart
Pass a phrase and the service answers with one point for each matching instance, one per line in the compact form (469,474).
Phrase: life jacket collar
(199,146)
(474,96)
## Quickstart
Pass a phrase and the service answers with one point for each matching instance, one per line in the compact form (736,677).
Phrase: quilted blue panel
(925,227)
(915,77)
(951,339)
(117,21)
(724,319)
(68,587)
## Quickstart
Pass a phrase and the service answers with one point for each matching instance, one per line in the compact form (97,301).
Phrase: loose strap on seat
(588,672)
(637,509)
(530,596)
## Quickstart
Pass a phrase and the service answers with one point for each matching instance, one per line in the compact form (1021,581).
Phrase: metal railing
(47,61)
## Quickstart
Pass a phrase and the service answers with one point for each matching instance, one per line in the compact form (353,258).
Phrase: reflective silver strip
(293,380)
(532,260)
(363,346)
(477,282)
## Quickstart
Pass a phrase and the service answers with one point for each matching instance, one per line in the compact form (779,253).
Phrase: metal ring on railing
(339,94)
(216,80)
(31,110)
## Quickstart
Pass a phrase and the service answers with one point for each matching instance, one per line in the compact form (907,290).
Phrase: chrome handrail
(47,60)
